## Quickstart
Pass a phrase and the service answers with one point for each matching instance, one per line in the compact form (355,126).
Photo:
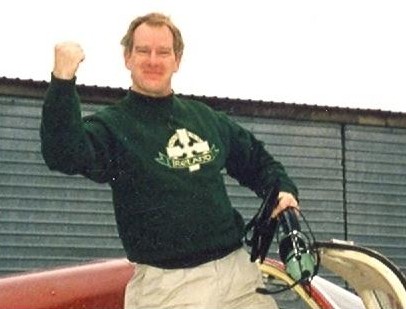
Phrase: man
(162,156)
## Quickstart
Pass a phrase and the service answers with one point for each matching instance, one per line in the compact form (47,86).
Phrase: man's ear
(178,60)
(127,56)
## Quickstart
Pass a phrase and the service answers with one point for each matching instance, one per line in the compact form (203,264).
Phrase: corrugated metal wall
(376,189)
(311,153)
(49,219)
(46,218)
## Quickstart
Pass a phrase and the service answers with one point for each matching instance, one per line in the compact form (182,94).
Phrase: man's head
(157,20)
(153,48)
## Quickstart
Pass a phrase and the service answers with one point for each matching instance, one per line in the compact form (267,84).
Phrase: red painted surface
(95,285)
(88,286)
(318,297)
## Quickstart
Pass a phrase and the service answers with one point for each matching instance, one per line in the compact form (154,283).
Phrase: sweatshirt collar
(142,98)
(149,106)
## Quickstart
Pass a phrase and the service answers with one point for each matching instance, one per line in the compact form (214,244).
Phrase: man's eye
(147,51)
(142,51)
(164,52)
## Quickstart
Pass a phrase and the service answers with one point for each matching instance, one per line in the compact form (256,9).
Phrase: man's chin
(153,88)
(158,87)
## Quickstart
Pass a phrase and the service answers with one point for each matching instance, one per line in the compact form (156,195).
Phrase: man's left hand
(286,200)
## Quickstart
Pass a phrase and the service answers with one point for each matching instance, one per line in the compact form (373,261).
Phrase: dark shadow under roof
(238,107)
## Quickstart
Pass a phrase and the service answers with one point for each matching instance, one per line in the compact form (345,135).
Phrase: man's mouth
(153,73)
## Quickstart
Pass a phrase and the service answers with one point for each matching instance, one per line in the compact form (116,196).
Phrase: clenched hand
(68,56)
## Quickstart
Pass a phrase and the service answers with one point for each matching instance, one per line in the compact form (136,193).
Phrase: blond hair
(155,20)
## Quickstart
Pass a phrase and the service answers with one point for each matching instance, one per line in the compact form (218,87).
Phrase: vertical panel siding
(376,185)
(46,218)
(49,219)
(312,155)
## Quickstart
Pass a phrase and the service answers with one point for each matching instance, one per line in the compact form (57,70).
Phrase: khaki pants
(229,282)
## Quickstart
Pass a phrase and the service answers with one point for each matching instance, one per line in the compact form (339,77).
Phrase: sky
(346,53)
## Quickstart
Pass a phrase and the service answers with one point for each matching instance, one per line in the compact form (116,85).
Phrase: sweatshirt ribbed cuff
(63,84)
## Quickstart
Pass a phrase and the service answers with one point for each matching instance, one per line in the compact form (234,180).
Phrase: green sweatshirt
(162,158)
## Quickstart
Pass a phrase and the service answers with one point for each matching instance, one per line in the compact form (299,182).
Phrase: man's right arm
(67,144)
(61,126)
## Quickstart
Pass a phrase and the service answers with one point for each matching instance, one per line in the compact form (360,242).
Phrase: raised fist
(68,56)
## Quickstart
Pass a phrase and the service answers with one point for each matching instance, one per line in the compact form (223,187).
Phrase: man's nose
(153,57)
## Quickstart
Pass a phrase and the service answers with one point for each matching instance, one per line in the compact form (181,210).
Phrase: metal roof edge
(293,111)
(237,107)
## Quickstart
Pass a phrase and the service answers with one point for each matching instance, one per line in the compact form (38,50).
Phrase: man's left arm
(254,167)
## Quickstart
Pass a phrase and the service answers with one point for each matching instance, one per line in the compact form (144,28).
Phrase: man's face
(152,60)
